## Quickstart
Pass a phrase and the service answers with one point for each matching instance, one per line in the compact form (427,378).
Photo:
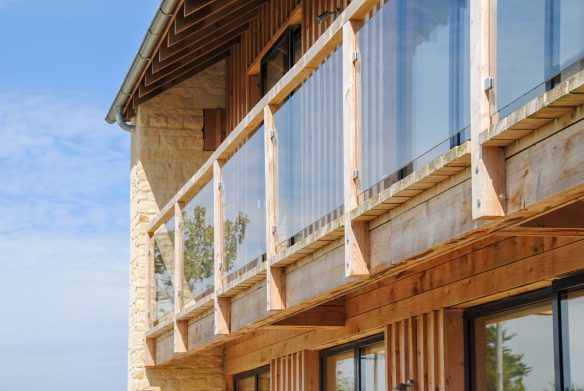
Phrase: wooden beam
(184,23)
(324,316)
(275,276)
(192,6)
(180,334)
(538,231)
(201,54)
(150,352)
(225,23)
(488,163)
(222,305)
(149,284)
(356,232)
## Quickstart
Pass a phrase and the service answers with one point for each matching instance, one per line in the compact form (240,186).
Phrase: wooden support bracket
(356,232)
(487,163)
(178,256)
(275,276)
(150,352)
(181,336)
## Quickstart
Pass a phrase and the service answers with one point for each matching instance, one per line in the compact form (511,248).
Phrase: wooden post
(488,163)
(275,276)
(222,304)
(180,327)
(149,343)
(356,232)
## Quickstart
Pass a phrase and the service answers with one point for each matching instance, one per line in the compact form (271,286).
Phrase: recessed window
(359,366)
(256,380)
(281,57)
(532,342)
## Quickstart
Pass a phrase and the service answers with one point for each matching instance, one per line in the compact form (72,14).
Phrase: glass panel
(340,370)
(536,40)
(415,85)
(573,341)
(245,205)
(373,367)
(164,269)
(246,384)
(515,350)
(264,381)
(198,244)
(276,63)
(310,150)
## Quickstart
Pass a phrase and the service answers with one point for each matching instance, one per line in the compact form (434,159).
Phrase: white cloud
(63,244)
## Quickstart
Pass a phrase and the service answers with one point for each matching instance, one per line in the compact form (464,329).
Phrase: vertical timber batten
(488,163)
(222,305)
(356,232)
(180,326)
(275,276)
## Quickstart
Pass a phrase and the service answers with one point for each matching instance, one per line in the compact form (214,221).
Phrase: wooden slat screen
(427,349)
(296,372)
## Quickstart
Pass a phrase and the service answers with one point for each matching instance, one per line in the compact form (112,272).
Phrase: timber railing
(319,157)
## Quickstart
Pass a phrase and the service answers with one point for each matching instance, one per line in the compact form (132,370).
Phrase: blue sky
(64,192)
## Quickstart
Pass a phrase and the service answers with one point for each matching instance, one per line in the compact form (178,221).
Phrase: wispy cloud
(63,243)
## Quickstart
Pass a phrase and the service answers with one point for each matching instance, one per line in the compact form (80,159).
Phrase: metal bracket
(274,229)
(356,174)
(355,56)
(273,134)
(489,83)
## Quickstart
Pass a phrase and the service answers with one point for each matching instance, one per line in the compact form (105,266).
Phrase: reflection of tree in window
(505,369)
(199,241)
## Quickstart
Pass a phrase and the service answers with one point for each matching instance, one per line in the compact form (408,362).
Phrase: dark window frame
(292,33)
(254,372)
(552,295)
(356,347)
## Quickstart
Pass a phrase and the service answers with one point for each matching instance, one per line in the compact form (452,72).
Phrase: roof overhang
(184,38)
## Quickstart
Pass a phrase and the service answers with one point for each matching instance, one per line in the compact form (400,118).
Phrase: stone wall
(167,149)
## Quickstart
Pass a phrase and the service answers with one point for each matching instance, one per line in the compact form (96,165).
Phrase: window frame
(254,372)
(292,32)
(356,347)
(552,295)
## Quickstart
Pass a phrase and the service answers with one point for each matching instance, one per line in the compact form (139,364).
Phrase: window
(358,366)
(280,58)
(256,380)
(530,342)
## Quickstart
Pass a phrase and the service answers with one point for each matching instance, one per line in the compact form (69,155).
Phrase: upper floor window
(530,342)
(358,366)
(256,380)
(281,57)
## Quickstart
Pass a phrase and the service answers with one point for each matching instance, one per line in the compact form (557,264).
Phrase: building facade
(357,196)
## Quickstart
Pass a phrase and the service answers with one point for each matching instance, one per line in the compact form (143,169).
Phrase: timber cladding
(243,88)
(423,301)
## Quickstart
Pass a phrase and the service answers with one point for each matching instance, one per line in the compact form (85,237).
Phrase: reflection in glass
(199,244)
(310,150)
(164,269)
(536,40)
(514,350)
(372,367)
(415,85)
(340,370)
(573,340)
(264,381)
(245,205)
(246,384)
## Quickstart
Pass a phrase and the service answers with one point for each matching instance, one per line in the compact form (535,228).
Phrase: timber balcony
(280,219)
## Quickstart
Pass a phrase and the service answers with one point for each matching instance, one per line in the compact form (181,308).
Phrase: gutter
(143,56)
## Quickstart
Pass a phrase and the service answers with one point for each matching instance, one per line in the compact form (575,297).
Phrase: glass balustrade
(198,245)
(244,224)
(309,146)
(414,85)
(164,269)
(539,44)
